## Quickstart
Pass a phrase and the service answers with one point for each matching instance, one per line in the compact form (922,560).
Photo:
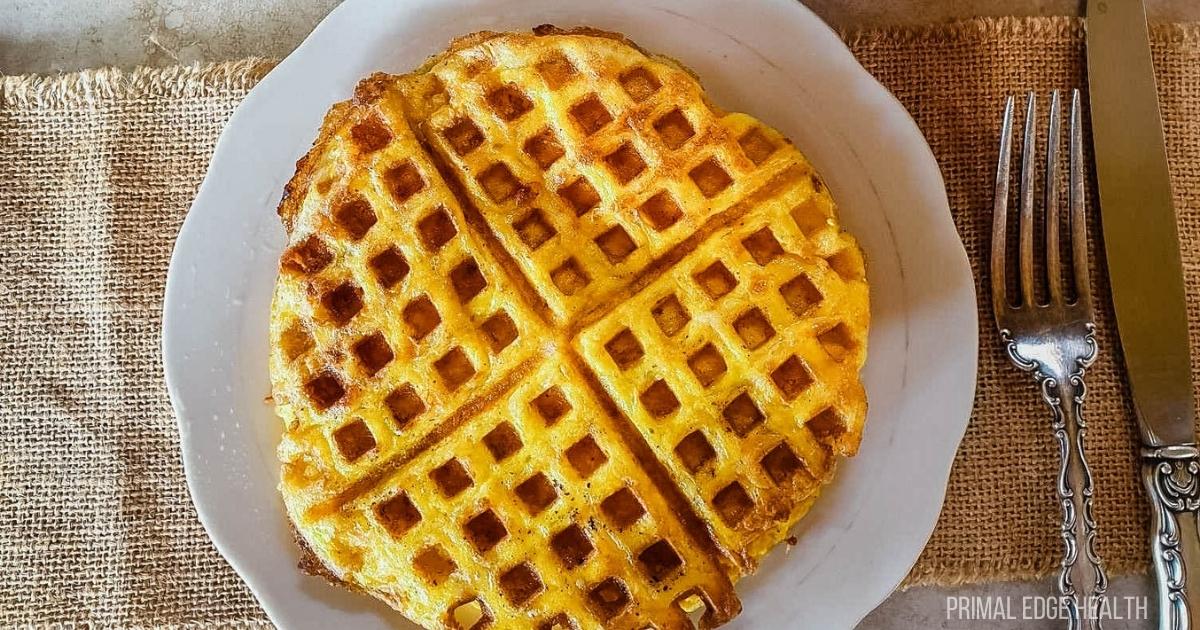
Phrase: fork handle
(1082,580)
(1172,478)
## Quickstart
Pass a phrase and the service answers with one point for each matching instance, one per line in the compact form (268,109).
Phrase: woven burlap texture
(97,170)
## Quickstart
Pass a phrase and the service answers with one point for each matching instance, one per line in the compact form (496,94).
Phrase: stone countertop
(65,35)
(48,36)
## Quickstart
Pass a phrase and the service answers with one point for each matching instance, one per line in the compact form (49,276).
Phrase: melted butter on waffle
(556,342)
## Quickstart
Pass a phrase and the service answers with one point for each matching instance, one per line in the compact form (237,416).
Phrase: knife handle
(1172,478)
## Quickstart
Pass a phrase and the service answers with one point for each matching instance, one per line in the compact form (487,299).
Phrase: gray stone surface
(52,35)
(64,35)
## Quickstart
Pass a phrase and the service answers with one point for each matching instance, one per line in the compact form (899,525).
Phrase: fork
(1055,340)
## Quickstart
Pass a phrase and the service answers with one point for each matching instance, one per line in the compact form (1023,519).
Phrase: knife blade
(1138,217)
(1141,241)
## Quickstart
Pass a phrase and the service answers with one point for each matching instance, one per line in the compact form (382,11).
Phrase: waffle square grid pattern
(558,343)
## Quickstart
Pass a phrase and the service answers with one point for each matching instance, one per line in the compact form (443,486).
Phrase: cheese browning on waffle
(531,509)
(556,342)
(587,159)
(388,314)
(740,365)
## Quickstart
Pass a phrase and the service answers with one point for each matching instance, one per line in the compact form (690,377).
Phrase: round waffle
(556,341)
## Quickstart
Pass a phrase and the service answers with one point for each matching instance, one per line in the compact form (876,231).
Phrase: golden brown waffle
(556,342)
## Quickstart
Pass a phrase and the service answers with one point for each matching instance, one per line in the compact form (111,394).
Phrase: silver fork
(1055,341)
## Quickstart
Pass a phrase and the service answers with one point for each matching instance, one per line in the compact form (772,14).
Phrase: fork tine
(1053,272)
(1000,211)
(1025,246)
(1079,246)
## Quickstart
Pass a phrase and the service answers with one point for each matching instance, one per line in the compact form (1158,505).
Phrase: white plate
(776,61)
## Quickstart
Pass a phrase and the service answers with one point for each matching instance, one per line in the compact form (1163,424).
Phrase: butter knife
(1142,246)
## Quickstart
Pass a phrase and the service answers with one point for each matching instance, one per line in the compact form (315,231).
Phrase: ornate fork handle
(1172,478)
(1082,580)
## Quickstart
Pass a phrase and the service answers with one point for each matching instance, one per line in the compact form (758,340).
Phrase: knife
(1142,246)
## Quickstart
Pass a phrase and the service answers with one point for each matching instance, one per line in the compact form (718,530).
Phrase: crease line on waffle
(666,262)
(443,430)
(478,223)
(701,533)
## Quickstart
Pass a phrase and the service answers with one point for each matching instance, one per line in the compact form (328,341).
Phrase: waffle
(557,342)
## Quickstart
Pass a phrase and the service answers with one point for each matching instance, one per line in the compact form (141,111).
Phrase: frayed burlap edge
(974,572)
(88,87)
(91,87)
(990,28)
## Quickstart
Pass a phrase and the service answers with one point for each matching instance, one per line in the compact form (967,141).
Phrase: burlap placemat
(97,170)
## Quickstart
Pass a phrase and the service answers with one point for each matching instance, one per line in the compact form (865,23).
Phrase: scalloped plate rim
(291,600)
